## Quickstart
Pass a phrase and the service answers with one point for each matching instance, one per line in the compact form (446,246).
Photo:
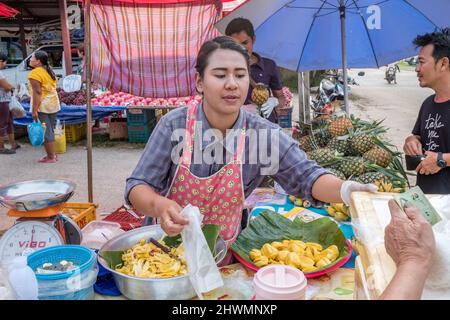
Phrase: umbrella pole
(344,56)
(87,37)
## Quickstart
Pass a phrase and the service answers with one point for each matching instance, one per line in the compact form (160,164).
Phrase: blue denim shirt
(156,168)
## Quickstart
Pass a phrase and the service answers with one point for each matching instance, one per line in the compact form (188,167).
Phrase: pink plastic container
(279,282)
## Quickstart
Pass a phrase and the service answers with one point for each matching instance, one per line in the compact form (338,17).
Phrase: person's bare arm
(413,145)
(4,84)
(327,189)
(145,200)
(280,96)
(37,97)
(409,240)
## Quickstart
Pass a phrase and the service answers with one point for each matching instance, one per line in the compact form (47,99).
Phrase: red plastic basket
(126,218)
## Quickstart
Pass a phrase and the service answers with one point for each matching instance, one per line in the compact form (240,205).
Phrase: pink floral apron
(220,197)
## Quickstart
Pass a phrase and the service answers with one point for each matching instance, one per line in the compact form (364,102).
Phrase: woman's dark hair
(238,25)
(42,56)
(440,40)
(3,56)
(222,42)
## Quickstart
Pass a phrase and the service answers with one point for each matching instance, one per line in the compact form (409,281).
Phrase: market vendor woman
(163,183)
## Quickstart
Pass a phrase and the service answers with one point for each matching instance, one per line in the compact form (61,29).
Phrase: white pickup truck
(19,74)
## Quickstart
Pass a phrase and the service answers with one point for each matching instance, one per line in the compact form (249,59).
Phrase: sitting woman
(163,182)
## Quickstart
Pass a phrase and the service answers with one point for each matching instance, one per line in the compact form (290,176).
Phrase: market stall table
(336,285)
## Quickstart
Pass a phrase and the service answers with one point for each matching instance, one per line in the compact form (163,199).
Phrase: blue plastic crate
(140,116)
(285,118)
(140,133)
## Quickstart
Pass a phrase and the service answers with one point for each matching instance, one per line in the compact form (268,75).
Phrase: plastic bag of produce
(16,108)
(203,271)
(36,133)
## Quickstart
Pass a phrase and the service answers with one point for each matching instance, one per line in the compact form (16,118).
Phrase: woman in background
(6,119)
(44,100)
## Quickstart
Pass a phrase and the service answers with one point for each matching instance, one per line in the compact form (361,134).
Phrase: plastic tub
(74,284)
(279,282)
(97,233)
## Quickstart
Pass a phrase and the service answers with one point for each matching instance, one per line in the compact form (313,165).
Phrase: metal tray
(36,194)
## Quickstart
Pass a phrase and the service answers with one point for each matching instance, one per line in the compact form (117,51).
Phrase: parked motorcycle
(331,88)
(391,74)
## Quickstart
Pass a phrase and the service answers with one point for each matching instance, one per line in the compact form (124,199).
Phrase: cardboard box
(375,268)
(118,129)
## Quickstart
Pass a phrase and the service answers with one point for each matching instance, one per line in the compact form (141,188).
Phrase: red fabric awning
(116,2)
(7,12)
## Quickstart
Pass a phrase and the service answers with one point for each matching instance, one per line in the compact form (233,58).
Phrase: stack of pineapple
(353,149)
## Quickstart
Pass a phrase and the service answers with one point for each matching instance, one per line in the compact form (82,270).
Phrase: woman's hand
(172,221)
(35,115)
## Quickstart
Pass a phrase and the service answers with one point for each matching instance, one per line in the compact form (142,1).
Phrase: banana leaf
(210,231)
(270,226)
(113,258)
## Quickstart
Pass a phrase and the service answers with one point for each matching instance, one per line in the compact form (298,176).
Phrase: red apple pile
(125,99)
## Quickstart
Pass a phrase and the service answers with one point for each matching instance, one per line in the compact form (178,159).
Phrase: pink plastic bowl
(310,274)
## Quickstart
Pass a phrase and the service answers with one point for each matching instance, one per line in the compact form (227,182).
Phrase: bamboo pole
(87,42)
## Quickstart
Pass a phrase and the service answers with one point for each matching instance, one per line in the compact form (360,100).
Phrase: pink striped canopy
(150,49)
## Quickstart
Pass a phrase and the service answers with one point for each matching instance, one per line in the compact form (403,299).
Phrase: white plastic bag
(72,83)
(22,93)
(203,271)
(16,108)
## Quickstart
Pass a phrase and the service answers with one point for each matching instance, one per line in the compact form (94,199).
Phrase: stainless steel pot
(175,288)
(36,194)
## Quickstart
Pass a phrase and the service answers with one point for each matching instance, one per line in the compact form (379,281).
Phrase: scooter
(391,75)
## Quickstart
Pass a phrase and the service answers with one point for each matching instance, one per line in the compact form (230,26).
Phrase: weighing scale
(37,228)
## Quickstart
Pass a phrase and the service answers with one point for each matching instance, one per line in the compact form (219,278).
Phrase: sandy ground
(373,99)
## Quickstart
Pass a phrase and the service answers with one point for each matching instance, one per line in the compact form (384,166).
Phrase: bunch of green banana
(339,211)
(384,186)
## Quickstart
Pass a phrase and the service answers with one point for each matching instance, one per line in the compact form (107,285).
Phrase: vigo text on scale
(37,205)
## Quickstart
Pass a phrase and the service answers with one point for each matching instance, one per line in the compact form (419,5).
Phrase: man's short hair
(238,25)
(440,40)
(3,56)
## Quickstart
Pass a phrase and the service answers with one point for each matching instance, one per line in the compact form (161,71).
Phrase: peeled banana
(339,211)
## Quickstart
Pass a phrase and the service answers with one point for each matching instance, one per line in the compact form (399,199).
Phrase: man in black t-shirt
(431,134)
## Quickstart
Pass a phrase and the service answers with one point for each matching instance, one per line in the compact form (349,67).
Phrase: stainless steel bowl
(36,194)
(175,288)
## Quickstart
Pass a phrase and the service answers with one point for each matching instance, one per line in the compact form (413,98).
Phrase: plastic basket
(81,212)
(75,284)
(140,133)
(75,132)
(126,219)
(139,116)
(285,117)
(82,257)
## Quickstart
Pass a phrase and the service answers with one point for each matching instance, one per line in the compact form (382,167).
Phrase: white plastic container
(22,279)
(279,282)
(5,288)
(97,233)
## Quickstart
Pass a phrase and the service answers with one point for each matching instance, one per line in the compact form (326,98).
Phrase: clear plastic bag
(203,271)
(16,108)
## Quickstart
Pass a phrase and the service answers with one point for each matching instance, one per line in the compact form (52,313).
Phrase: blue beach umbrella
(304,35)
